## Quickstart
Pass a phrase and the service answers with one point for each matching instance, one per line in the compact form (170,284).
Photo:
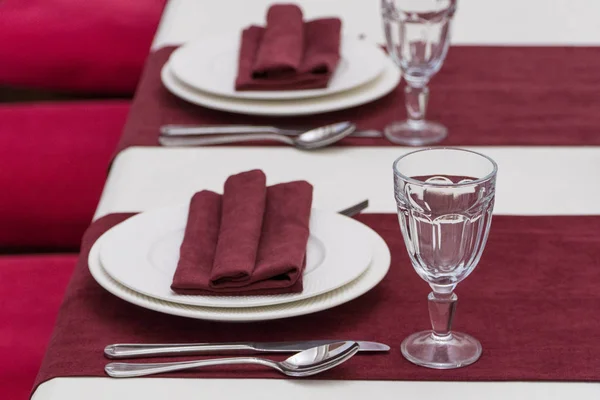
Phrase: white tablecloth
(549,22)
(532,181)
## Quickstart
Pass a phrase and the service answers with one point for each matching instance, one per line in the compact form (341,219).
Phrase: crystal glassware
(417,34)
(445,199)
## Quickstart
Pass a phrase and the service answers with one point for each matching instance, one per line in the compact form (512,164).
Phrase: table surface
(545,22)
(532,181)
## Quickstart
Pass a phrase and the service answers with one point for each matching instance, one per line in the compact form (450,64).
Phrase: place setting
(293,67)
(261,252)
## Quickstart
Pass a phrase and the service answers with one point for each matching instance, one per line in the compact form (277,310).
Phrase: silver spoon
(309,140)
(305,363)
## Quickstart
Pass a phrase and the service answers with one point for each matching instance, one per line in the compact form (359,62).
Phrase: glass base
(415,133)
(453,351)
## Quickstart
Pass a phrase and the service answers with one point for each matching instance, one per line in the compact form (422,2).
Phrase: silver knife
(116,351)
(201,130)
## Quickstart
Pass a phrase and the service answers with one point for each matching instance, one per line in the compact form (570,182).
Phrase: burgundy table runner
(532,302)
(489,96)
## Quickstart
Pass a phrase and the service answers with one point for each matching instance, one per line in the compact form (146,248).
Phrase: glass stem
(442,307)
(416,103)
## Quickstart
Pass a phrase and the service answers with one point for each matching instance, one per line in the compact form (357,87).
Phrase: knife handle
(193,130)
(117,351)
(209,140)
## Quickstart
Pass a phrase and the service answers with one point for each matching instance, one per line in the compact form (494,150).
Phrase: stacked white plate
(203,72)
(136,260)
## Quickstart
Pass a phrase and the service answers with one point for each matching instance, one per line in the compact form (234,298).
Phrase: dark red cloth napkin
(532,302)
(486,96)
(288,54)
(251,240)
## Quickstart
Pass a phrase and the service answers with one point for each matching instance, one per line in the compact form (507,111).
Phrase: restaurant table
(532,181)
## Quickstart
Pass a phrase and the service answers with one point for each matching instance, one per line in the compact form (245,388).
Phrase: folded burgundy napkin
(250,240)
(288,54)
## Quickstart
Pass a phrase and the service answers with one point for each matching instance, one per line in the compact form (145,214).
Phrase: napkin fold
(243,202)
(288,54)
(251,240)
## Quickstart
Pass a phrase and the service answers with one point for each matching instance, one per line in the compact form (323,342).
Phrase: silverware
(309,140)
(201,130)
(355,209)
(306,363)
(120,351)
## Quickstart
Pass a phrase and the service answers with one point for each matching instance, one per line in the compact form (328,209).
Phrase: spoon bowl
(305,363)
(324,135)
(318,359)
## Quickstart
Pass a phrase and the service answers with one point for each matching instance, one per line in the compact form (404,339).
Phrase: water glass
(417,34)
(445,199)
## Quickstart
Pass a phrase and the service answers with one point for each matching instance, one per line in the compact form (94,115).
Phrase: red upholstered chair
(54,159)
(32,288)
(91,46)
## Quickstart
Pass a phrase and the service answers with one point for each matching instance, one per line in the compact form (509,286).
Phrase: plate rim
(351,42)
(385,83)
(378,269)
(366,253)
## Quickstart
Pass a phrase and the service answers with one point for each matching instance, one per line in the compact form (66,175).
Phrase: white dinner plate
(142,253)
(370,91)
(377,270)
(210,65)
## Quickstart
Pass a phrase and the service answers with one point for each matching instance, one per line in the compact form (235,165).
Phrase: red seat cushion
(32,289)
(94,46)
(54,161)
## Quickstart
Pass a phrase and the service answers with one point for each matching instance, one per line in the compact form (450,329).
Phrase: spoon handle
(132,370)
(211,140)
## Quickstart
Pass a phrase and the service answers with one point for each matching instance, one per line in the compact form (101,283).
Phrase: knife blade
(120,351)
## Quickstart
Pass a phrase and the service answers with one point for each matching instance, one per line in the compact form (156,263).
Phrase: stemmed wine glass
(445,199)
(417,34)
